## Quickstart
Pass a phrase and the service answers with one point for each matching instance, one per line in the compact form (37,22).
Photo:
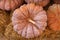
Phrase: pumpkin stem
(30,20)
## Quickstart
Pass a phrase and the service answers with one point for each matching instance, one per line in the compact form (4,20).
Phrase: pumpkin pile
(29,19)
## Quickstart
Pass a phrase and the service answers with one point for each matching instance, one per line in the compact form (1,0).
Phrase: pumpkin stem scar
(30,20)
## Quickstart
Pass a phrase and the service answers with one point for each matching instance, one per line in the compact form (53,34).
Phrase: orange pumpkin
(57,1)
(10,4)
(39,2)
(54,17)
(29,20)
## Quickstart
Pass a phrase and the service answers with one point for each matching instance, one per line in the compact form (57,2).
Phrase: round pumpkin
(57,1)
(53,14)
(9,4)
(29,20)
(39,2)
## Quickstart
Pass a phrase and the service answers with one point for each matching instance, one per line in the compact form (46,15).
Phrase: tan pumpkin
(39,2)
(10,4)
(54,17)
(29,20)
(57,1)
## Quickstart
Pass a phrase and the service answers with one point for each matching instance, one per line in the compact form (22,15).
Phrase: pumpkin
(29,20)
(53,14)
(57,1)
(38,2)
(10,4)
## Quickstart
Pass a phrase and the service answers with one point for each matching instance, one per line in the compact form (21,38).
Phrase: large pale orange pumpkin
(54,17)
(29,20)
(10,4)
(39,2)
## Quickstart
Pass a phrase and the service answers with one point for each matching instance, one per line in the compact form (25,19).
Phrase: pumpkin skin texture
(39,2)
(29,20)
(10,4)
(57,1)
(54,17)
